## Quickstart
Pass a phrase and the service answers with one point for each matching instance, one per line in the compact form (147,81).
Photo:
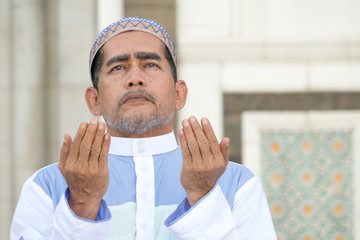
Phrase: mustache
(140,91)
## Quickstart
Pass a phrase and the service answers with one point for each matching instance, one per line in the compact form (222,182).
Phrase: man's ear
(92,100)
(181,94)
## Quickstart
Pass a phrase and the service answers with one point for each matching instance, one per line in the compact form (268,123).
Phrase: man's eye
(117,68)
(151,65)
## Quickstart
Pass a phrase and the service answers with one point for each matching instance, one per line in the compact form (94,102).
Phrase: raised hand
(204,159)
(83,163)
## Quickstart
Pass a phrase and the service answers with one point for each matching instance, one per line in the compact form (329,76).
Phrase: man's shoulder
(47,173)
(50,180)
(238,173)
(234,178)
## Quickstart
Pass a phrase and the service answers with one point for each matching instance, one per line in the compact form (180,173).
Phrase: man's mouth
(135,98)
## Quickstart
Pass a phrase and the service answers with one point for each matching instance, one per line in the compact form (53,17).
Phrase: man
(141,185)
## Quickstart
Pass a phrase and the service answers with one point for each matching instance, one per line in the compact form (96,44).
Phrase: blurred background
(281,78)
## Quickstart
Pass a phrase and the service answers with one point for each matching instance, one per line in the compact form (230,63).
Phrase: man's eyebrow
(118,58)
(147,55)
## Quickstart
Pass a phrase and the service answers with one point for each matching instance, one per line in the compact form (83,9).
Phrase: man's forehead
(133,24)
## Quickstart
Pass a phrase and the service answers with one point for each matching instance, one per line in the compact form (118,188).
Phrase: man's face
(136,89)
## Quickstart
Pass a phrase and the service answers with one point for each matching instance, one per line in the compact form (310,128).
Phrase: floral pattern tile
(308,179)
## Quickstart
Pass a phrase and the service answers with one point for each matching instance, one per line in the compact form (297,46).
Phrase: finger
(96,146)
(225,149)
(201,139)
(210,135)
(86,143)
(65,151)
(191,142)
(184,148)
(103,158)
(75,146)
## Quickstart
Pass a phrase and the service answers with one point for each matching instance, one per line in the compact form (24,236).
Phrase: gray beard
(139,123)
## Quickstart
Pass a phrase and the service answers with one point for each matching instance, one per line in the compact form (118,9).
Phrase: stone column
(5,119)
(76,31)
(22,142)
(109,11)
(27,132)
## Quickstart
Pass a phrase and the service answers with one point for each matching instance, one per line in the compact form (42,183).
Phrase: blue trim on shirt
(180,211)
(103,214)
(183,209)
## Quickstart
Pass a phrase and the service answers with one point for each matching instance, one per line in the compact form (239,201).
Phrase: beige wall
(264,46)
(6,198)
(44,65)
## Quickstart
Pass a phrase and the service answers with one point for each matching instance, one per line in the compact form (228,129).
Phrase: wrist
(87,209)
(194,197)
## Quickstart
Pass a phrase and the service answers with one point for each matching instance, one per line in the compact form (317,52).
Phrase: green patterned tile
(307,177)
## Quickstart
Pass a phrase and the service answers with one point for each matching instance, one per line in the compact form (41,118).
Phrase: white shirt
(144,192)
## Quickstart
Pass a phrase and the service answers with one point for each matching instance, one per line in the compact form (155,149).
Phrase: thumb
(65,150)
(224,147)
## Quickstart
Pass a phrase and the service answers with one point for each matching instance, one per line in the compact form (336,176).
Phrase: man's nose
(136,78)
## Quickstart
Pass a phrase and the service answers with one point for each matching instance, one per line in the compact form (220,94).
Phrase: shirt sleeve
(212,218)
(36,217)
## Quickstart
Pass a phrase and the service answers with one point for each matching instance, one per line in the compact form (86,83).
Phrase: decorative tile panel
(308,180)
(309,163)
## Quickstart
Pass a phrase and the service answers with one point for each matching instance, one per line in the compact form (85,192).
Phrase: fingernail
(204,120)
(107,136)
(193,119)
(83,125)
(101,125)
(93,121)
(181,132)
(185,123)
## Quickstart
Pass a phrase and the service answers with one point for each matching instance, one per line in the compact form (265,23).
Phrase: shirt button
(144,226)
(141,150)
(143,196)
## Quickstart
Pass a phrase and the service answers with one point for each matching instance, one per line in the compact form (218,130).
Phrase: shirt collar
(143,146)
